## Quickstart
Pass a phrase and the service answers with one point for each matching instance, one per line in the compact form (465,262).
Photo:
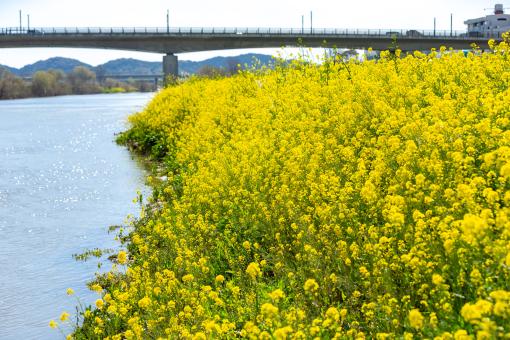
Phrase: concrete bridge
(170,41)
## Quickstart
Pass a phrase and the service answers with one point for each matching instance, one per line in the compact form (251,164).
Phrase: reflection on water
(63,181)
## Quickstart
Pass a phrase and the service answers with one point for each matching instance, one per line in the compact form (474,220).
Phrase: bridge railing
(243,31)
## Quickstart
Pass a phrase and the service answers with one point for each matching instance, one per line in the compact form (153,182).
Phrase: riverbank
(337,200)
(56,83)
(64,96)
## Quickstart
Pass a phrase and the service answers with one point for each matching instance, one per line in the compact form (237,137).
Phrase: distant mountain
(191,67)
(138,67)
(129,67)
(10,69)
(64,64)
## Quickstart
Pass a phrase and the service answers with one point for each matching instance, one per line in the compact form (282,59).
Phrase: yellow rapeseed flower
(199,336)
(253,270)
(144,302)
(64,316)
(97,288)
(99,303)
(437,279)
(188,278)
(416,319)
(461,334)
(311,285)
(246,245)
(505,170)
(390,173)
(122,257)
(269,311)
(277,295)
(283,333)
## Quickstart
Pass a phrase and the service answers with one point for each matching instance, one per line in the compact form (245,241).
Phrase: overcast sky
(398,14)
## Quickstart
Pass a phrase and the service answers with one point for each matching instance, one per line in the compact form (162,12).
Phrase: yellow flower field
(346,200)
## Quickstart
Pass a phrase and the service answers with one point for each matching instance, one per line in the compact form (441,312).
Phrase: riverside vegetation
(57,83)
(340,200)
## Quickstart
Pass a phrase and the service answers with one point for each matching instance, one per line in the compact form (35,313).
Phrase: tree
(100,74)
(11,86)
(233,66)
(44,84)
(62,85)
(83,80)
(210,71)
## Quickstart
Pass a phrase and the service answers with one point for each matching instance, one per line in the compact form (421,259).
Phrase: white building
(491,25)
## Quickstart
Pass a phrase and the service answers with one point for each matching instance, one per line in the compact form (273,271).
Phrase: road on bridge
(170,41)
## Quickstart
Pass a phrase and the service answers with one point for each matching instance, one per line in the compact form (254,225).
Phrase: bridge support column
(170,66)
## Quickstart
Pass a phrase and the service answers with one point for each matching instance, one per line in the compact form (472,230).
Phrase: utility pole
(28,21)
(434,27)
(302,24)
(451,24)
(20,27)
(311,22)
(167,21)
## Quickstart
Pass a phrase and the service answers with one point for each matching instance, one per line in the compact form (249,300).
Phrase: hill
(191,67)
(133,66)
(8,68)
(64,64)
(128,66)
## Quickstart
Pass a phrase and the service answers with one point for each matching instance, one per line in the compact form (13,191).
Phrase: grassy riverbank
(343,200)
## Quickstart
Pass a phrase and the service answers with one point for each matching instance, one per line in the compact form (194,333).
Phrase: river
(63,181)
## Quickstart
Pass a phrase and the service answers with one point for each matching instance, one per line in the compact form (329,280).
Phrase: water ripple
(62,183)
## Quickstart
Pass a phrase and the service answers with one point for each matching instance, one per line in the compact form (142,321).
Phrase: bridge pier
(170,66)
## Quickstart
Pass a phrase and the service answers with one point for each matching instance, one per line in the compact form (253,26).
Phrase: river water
(63,181)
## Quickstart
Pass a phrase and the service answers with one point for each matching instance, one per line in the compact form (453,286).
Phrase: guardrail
(242,31)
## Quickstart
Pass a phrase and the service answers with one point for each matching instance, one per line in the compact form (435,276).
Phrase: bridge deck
(228,30)
(179,40)
(194,39)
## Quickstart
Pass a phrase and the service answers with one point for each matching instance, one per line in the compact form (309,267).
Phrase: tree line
(55,83)
(231,67)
